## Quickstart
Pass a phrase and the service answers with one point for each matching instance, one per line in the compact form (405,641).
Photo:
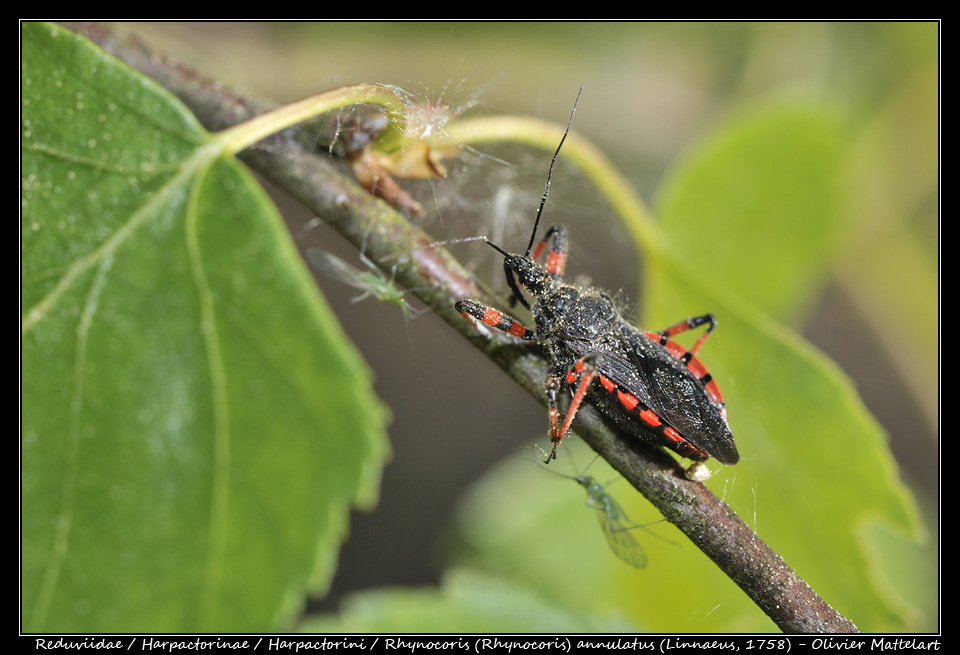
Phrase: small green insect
(616,525)
(372,283)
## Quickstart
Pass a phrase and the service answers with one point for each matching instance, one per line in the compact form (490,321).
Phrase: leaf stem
(249,132)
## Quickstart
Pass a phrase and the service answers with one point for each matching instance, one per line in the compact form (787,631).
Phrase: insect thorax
(573,322)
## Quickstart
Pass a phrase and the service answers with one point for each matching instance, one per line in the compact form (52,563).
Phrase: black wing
(663,383)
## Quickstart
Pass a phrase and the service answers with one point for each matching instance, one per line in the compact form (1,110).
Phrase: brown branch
(440,281)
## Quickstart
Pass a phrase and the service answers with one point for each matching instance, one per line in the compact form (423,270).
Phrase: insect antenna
(546,191)
(516,295)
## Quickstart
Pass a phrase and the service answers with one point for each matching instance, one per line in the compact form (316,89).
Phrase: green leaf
(467,602)
(815,467)
(767,197)
(757,207)
(195,424)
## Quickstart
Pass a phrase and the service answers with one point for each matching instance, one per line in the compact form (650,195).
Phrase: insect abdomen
(652,391)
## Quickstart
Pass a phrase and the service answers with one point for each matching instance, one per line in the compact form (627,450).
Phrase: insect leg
(688,357)
(472,309)
(556,262)
(553,413)
(557,256)
(585,368)
(691,324)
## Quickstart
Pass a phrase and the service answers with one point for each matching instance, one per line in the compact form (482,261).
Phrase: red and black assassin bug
(650,386)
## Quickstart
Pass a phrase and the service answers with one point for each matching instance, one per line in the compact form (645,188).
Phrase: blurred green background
(652,93)
(652,90)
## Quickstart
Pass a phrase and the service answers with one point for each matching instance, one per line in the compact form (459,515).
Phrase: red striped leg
(690,324)
(586,371)
(688,357)
(557,256)
(471,309)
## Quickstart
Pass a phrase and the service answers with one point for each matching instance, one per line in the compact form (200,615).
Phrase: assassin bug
(649,385)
